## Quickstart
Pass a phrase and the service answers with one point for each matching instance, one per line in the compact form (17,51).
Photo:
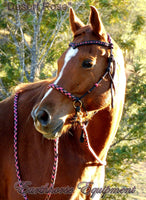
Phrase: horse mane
(23,87)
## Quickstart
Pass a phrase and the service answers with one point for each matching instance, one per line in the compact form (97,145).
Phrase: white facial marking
(71,53)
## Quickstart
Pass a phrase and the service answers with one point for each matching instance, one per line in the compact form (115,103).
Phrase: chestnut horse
(84,124)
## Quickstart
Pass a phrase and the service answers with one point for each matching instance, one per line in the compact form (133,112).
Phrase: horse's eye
(87,64)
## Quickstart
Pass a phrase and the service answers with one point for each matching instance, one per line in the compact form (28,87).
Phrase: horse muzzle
(43,122)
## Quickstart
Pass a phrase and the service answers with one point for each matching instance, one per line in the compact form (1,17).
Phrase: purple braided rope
(15,145)
(55,168)
(71,96)
(63,91)
(55,165)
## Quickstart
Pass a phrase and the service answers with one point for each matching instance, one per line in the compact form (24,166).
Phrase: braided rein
(55,164)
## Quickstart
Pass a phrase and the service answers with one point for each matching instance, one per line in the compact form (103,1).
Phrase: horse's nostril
(43,117)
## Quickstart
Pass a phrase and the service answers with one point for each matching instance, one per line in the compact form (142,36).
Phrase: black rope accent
(89,42)
(94,86)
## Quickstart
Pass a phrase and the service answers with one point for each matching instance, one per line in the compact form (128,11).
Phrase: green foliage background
(124,20)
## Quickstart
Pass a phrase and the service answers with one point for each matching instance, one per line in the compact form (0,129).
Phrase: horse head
(79,68)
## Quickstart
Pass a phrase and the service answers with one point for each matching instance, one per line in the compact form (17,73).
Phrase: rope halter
(77,103)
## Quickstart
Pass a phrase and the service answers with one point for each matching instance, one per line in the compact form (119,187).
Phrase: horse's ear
(96,22)
(75,22)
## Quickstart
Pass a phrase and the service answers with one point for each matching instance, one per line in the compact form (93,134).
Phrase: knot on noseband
(77,104)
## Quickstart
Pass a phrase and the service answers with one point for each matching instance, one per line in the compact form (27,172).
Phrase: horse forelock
(84,29)
(88,31)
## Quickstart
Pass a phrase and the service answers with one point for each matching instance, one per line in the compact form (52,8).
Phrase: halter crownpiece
(89,42)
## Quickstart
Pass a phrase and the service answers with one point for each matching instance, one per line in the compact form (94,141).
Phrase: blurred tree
(33,32)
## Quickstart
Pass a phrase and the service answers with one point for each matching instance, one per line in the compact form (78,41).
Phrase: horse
(55,134)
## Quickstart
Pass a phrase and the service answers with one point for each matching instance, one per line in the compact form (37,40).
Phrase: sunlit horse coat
(78,70)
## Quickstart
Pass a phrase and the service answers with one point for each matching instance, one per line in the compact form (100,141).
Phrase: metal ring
(77,102)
